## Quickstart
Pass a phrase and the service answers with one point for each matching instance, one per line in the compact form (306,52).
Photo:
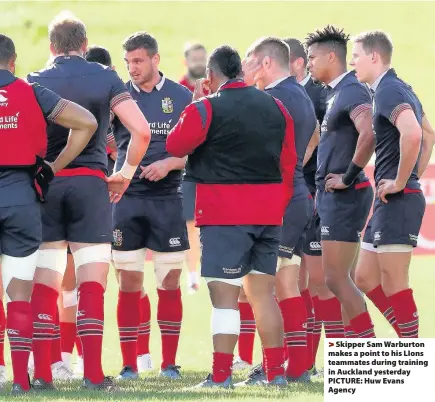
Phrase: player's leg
(2,334)
(193,254)
(168,239)
(89,232)
(21,237)
(259,287)
(340,239)
(395,228)
(129,254)
(225,259)
(144,362)
(246,340)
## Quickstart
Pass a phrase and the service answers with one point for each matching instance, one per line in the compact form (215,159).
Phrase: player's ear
(52,50)
(11,64)
(84,47)
(156,60)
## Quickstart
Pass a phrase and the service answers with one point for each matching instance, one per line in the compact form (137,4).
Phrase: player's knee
(167,268)
(21,268)
(130,281)
(53,259)
(225,321)
(98,253)
(362,281)
(333,283)
(130,261)
(69,298)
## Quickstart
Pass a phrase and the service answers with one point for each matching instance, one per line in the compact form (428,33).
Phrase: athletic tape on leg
(368,247)
(395,248)
(22,268)
(133,260)
(166,262)
(69,298)
(225,321)
(91,254)
(286,262)
(54,259)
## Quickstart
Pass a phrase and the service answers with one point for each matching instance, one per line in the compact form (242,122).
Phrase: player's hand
(113,155)
(156,171)
(117,184)
(386,187)
(250,68)
(333,182)
(44,174)
(201,86)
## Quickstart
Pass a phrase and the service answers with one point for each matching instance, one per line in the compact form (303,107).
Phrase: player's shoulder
(353,88)
(177,88)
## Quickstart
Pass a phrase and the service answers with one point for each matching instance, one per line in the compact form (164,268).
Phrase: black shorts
(296,222)
(189,197)
(231,252)
(20,230)
(144,222)
(343,214)
(398,221)
(312,243)
(77,210)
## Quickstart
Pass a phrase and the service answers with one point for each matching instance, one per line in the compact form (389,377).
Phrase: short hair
(225,61)
(274,48)
(376,41)
(141,40)
(7,49)
(297,50)
(100,55)
(66,33)
(191,47)
(332,37)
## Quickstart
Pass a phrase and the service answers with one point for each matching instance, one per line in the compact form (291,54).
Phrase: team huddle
(266,156)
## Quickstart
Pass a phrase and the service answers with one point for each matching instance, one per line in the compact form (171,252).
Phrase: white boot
(144,363)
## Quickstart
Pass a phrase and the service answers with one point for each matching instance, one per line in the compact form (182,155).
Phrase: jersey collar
(275,83)
(378,80)
(158,86)
(6,78)
(305,80)
(335,82)
(233,83)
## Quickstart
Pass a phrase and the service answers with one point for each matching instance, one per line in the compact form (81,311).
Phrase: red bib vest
(22,126)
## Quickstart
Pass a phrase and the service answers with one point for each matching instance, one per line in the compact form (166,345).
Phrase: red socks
(143,339)
(44,306)
(169,316)
(294,314)
(310,327)
(380,300)
(90,325)
(318,321)
(349,332)
(20,329)
(362,325)
(68,332)
(56,345)
(332,319)
(247,332)
(2,334)
(79,346)
(274,362)
(406,313)
(222,363)
(128,314)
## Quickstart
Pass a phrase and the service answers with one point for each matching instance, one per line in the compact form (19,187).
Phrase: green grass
(239,24)
(195,349)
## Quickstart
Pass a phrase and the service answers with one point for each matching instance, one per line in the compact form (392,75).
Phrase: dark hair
(66,33)
(141,40)
(332,37)
(191,47)
(7,49)
(297,50)
(100,55)
(225,61)
(376,41)
(275,48)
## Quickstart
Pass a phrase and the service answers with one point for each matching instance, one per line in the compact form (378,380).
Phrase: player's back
(296,100)
(93,86)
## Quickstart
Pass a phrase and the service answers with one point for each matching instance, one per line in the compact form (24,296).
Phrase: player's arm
(288,157)
(427,145)
(191,129)
(68,114)
(361,113)
(314,142)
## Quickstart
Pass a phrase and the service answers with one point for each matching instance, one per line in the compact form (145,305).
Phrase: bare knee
(172,280)
(167,268)
(242,296)
(130,281)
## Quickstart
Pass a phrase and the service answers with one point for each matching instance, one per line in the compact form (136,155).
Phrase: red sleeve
(288,154)
(191,129)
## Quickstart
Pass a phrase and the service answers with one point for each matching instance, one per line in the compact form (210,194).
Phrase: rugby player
(404,142)
(77,211)
(150,216)
(24,111)
(267,67)
(344,195)
(239,239)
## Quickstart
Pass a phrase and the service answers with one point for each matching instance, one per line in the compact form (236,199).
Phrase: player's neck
(150,85)
(381,71)
(340,70)
(74,53)
(278,75)
(301,75)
